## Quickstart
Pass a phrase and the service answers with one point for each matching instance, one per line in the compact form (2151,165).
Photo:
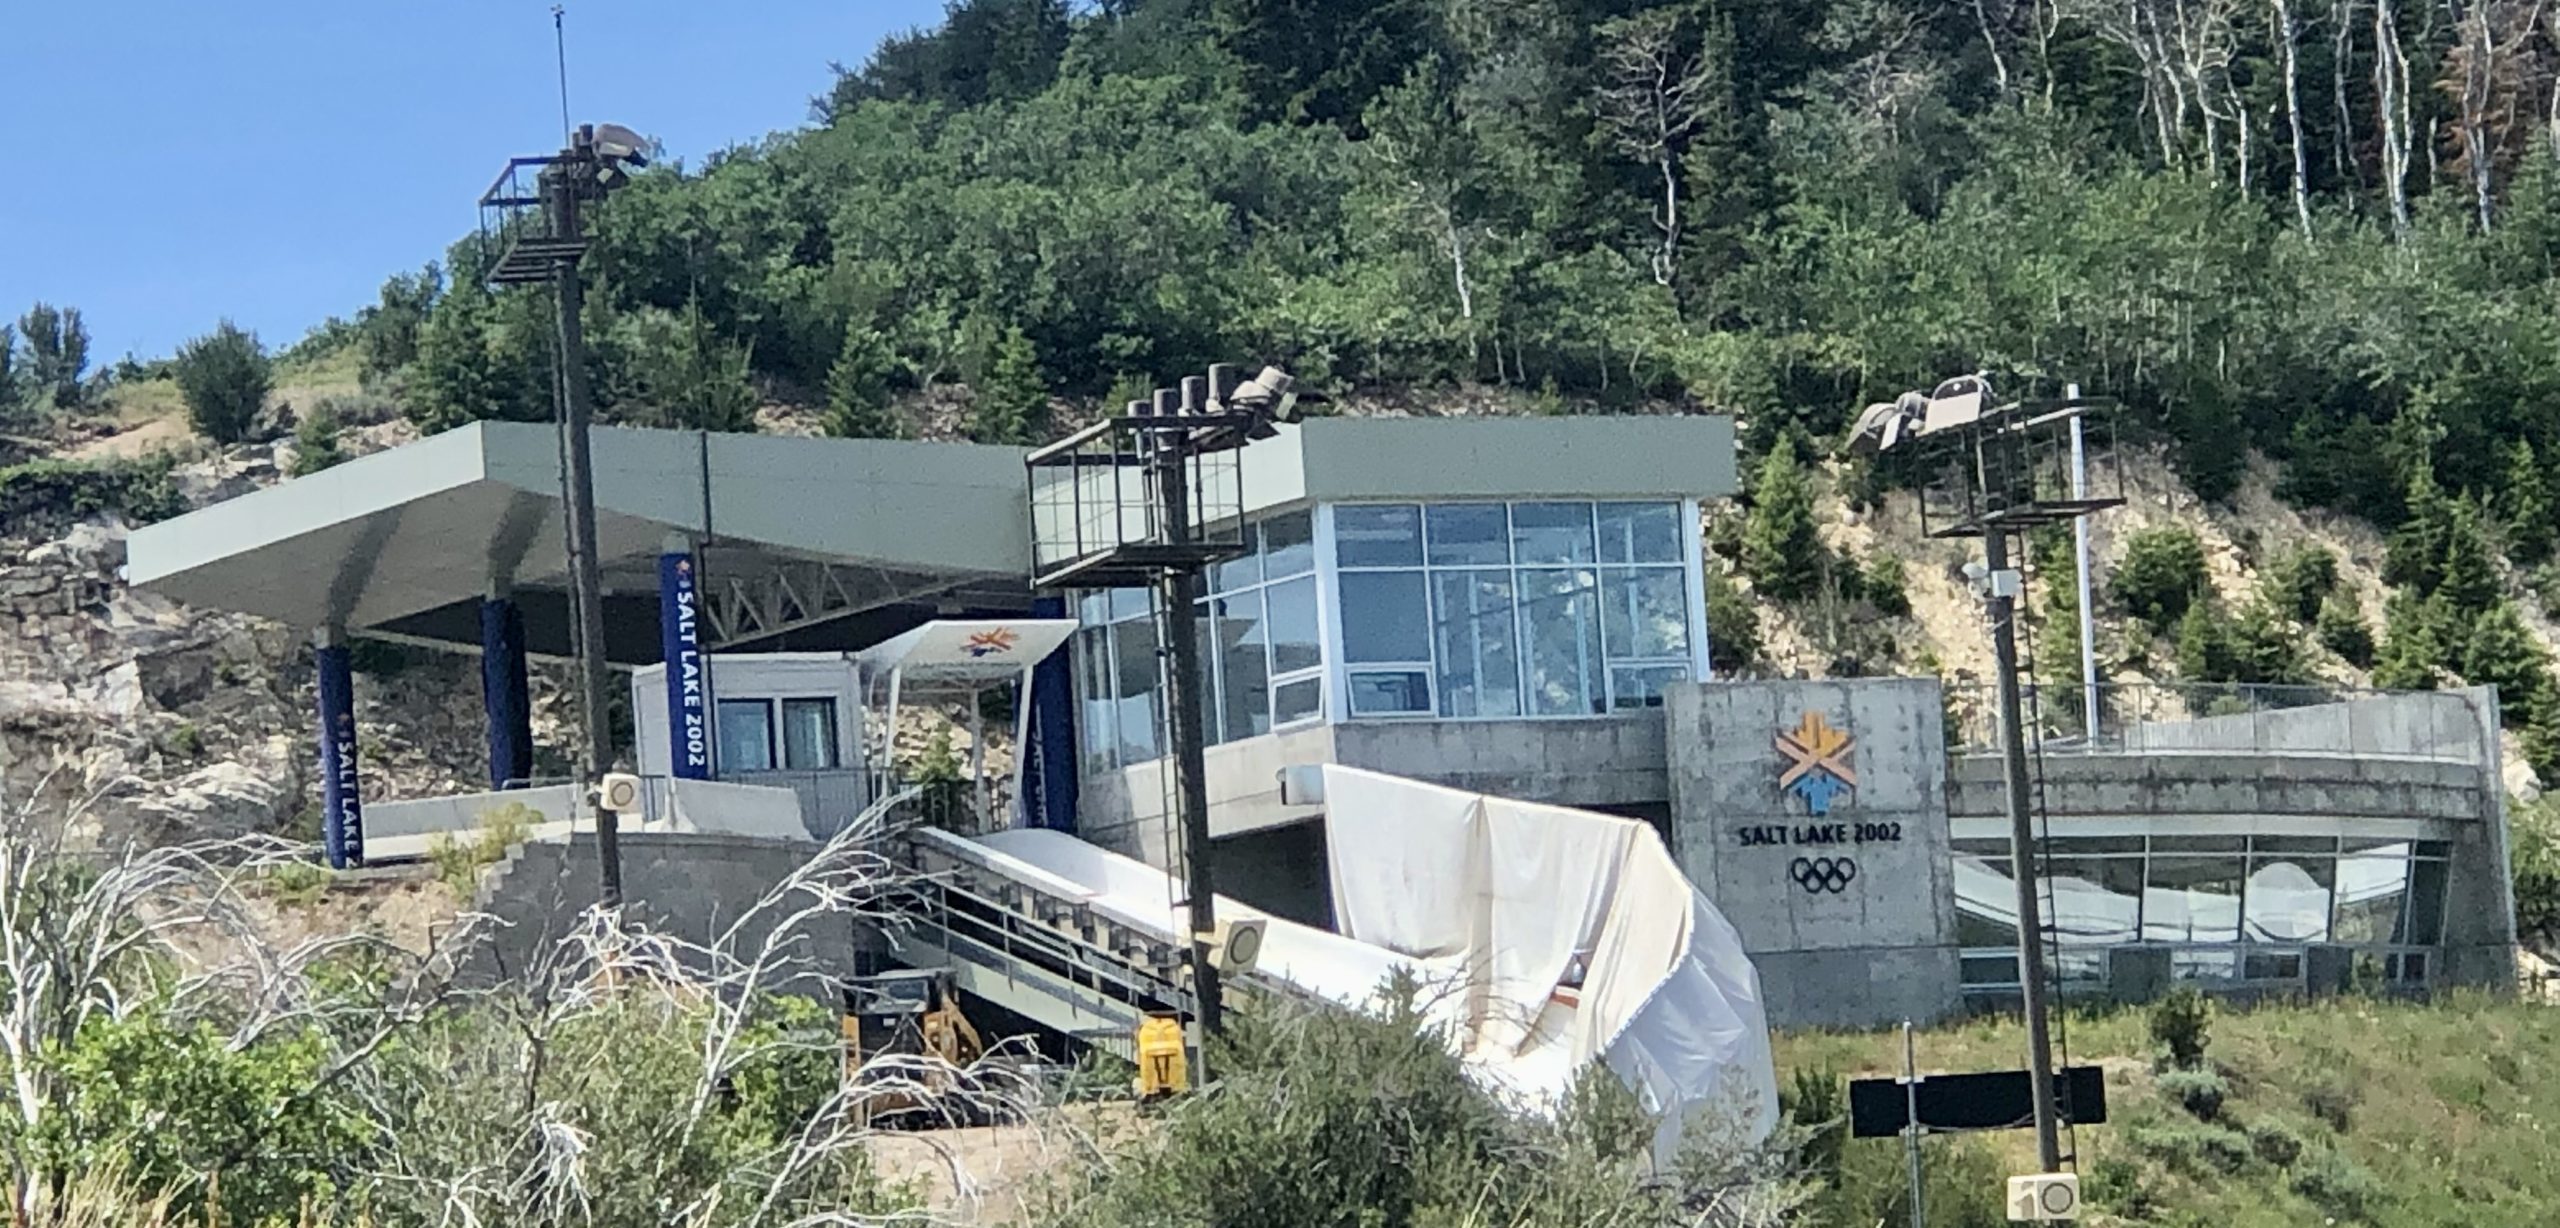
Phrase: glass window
(1472,618)
(1401,692)
(1560,627)
(2288,897)
(2293,844)
(1288,545)
(1136,680)
(1640,533)
(2370,891)
(1377,536)
(1244,671)
(1240,573)
(1098,740)
(1989,971)
(1385,617)
(809,734)
(1551,533)
(1301,700)
(1641,686)
(1292,624)
(2192,899)
(1204,641)
(2096,901)
(2272,966)
(2221,965)
(2422,922)
(2199,844)
(746,734)
(1645,611)
(1469,534)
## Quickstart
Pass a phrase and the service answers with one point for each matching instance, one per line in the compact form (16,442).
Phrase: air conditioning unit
(1236,946)
(620,793)
(2044,1198)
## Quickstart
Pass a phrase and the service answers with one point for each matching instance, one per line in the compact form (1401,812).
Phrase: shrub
(224,376)
(2199,1092)
(458,863)
(2338,1185)
(2275,1142)
(1012,406)
(2301,580)
(315,442)
(2534,847)
(46,494)
(1886,589)
(298,884)
(2196,1148)
(1816,1107)
(2333,1103)
(2161,575)
(2182,1023)
(1733,625)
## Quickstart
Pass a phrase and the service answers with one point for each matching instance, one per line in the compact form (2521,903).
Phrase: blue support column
(341,799)
(1049,787)
(688,675)
(504,696)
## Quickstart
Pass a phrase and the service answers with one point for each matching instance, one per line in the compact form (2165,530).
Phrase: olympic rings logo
(1823,875)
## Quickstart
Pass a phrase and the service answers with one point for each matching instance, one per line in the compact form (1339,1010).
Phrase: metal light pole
(1178,591)
(2003,603)
(595,161)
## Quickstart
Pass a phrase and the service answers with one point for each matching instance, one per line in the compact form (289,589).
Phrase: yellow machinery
(1163,1060)
(915,1013)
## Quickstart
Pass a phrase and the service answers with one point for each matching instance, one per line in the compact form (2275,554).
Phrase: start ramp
(1545,939)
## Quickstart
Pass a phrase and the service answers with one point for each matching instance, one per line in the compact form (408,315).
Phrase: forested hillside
(2323,230)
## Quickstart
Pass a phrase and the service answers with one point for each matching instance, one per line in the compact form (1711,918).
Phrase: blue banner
(504,699)
(688,685)
(1049,766)
(341,801)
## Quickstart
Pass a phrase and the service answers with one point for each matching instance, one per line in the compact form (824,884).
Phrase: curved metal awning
(809,543)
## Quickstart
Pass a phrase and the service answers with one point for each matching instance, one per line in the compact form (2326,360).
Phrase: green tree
(387,332)
(1733,625)
(2415,555)
(10,395)
(858,386)
(224,376)
(315,441)
(2162,574)
(2341,629)
(2413,653)
(1781,550)
(1013,405)
(2502,653)
(673,369)
(480,356)
(2533,517)
(2205,649)
(2469,574)
(57,353)
(2302,579)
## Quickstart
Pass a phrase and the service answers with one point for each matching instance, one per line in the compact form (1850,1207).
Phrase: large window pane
(2192,899)
(1244,674)
(1645,611)
(2096,901)
(1560,625)
(809,734)
(2422,922)
(1239,573)
(2288,898)
(1293,626)
(2371,890)
(1479,658)
(1551,533)
(1640,533)
(1385,617)
(1097,738)
(1204,641)
(1469,534)
(1302,700)
(1135,682)
(1288,545)
(1374,536)
(1402,692)
(746,735)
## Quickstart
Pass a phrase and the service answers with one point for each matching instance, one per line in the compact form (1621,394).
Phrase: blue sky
(172,162)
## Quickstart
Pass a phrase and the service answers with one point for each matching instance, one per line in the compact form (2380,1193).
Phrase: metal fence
(2224,718)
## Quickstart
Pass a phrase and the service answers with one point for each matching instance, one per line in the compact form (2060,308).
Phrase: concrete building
(1509,606)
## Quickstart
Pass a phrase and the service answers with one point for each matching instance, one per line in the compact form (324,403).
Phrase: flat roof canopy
(809,541)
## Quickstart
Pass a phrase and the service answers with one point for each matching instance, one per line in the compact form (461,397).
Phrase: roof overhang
(793,532)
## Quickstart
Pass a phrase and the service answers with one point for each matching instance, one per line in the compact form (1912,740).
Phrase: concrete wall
(1870,950)
(461,812)
(688,885)
(2431,725)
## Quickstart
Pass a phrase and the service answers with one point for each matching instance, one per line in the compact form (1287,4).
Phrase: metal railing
(2225,718)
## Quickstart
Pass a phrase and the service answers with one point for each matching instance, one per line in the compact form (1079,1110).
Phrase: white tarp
(1497,907)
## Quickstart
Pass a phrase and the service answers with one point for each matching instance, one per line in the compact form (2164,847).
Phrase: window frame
(782,732)
(772,755)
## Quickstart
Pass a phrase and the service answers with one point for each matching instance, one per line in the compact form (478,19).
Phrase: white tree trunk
(2287,36)
(2341,52)
(2390,75)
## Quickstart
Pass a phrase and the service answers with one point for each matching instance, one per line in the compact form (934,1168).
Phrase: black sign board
(1992,1100)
